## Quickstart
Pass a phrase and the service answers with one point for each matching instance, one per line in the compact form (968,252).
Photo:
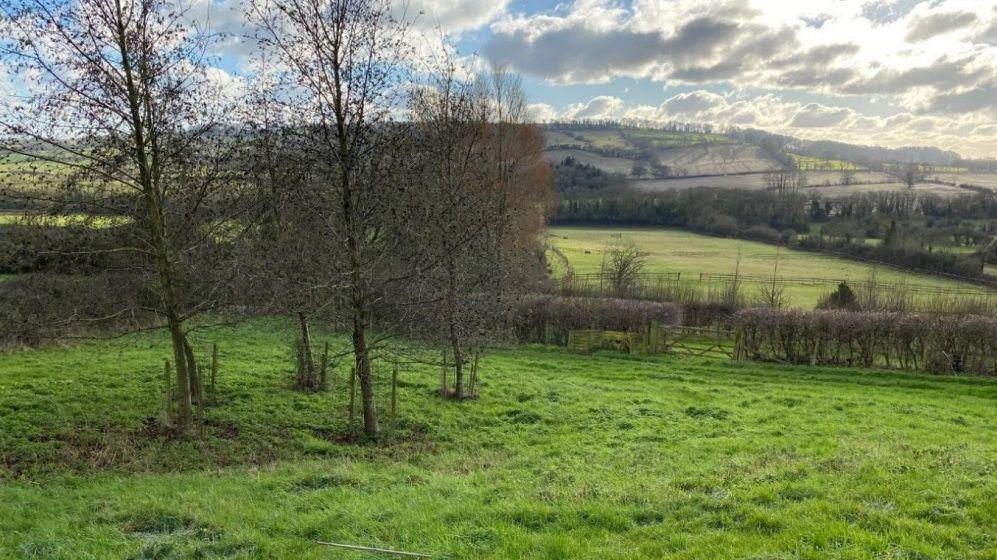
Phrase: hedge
(965,344)
(549,319)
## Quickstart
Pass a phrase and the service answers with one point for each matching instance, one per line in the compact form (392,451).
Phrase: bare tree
(911,175)
(132,122)
(847,175)
(623,269)
(471,203)
(342,75)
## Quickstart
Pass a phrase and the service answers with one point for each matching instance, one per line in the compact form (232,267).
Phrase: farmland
(983,180)
(862,181)
(691,254)
(563,456)
(810,163)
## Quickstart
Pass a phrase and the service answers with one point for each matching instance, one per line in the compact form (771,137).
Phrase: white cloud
(601,107)
(968,134)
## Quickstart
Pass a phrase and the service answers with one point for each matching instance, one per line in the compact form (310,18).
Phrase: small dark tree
(623,269)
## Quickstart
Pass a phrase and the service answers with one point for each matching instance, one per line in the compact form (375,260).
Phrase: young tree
(126,111)
(470,203)
(626,264)
(342,72)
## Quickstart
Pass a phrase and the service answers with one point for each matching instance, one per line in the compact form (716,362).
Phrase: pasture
(691,254)
(562,457)
(811,163)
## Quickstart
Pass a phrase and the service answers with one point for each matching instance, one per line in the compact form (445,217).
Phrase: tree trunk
(362,355)
(185,414)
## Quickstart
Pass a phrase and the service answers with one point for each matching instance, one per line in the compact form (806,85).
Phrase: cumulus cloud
(541,112)
(908,50)
(924,28)
(970,134)
(601,107)
(693,103)
(453,16)
(815,115)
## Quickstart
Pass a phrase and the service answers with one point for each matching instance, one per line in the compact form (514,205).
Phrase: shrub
(933,343)
(37,307)
(549,319)
(841,298)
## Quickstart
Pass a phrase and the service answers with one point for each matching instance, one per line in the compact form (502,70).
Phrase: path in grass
(669,250)
(563,457)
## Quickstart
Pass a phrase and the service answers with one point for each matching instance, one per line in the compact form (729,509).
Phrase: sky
(890,73)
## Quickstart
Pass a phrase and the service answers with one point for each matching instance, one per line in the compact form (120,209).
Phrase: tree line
(350,180)
(914,230)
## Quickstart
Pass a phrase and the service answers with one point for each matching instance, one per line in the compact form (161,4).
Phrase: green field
(562,457)
(691,254)
(811,163)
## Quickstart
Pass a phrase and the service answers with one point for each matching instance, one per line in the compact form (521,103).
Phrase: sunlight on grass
(563,456)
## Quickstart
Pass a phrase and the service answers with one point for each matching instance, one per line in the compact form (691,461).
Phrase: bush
(841,298)
(38,307)
(938,344)
(763,233)
(549,319)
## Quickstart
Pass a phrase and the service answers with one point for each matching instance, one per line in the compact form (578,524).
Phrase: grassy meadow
(563,457)
(690,254)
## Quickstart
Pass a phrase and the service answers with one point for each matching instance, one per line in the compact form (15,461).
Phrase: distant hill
(645,153)
(654,156)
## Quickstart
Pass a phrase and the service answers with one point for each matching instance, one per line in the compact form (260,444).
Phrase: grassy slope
(690,253)
(563,457)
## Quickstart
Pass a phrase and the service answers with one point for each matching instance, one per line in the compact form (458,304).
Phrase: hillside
(564,456)
(684,157)
(650,153)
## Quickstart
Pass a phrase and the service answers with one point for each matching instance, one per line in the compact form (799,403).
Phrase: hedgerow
(933,343)
(549,319)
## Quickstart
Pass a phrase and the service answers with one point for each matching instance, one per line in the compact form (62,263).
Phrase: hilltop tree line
(351,183)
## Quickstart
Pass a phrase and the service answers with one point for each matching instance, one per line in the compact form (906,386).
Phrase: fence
(686,341)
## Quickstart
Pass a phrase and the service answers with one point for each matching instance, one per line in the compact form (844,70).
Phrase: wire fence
(649,280)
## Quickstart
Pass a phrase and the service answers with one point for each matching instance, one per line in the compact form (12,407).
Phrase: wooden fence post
(214,368)
(323,375)
(443,375)
(394,395)
(353,397)
(167,394)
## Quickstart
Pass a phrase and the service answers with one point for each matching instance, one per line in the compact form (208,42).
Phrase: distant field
(933,188)
(810,163)
(563,457)
(608,164)
(985,180)
(757,181)
(60,219)
(692,254)
(717,159)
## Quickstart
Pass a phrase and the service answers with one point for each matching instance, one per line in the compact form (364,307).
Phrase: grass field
(810,163)
(691,254)
(562,457)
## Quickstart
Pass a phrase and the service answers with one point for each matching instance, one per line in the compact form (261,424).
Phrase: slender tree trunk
(362,354)
(185,414)
(452,320)
(148,179)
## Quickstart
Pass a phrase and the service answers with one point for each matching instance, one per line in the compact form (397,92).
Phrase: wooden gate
(688,341)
